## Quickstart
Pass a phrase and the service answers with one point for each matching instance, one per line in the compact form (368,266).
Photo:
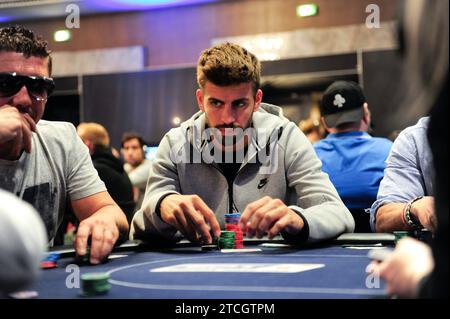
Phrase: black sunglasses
(38,87)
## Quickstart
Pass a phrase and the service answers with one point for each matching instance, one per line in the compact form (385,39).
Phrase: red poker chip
(48,264)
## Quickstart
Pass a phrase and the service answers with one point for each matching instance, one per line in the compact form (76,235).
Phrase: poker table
(267,270)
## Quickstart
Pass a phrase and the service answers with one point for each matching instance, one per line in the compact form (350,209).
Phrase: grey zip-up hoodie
(291,172)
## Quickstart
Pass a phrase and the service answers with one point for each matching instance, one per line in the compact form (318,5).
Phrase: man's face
(132,152)
(33,66)
(228,106)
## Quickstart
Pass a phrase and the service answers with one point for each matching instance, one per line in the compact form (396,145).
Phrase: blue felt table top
(343,275)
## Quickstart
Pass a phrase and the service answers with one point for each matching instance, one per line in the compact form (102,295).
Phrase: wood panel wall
(177,35)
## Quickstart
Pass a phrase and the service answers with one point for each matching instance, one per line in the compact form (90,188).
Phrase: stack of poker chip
(226,240)
(94,284)
(50,260)
(232,224)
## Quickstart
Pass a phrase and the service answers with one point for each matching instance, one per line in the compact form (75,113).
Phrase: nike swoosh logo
(262,183)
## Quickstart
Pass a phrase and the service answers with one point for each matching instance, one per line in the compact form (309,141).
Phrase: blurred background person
(393,135)
(313,129)
(109,167)
(136,165)
(353,159)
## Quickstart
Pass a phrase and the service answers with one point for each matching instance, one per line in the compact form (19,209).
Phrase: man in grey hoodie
(237,155)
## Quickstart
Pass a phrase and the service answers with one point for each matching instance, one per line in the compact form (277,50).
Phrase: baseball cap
(342,102)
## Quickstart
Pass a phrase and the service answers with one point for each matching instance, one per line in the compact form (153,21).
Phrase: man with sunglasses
(45,163)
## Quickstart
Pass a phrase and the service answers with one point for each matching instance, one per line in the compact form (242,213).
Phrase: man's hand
(15,131)
(423,211)
(191,216)
(269,215)
(404,268)
(103,232)
(102,220)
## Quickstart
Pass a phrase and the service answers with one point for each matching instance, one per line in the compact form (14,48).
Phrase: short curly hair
(228,64)
(22,40)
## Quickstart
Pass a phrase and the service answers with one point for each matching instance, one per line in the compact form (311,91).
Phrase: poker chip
(52,257)
(226,240)
(50,260)
(400,234)
(232,225)
(48,264)
(94,284)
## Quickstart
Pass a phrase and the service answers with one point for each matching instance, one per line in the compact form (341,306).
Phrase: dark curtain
(144,102)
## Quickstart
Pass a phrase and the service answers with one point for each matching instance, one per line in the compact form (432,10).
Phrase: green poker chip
(226,240)
(94,284)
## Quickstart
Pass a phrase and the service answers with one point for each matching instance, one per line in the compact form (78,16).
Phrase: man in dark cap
(353,159)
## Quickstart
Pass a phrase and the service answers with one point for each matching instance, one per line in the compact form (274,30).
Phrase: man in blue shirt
(353,159)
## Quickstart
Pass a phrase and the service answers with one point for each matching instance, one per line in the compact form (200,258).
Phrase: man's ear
(258,100)
(367,115)
(199,96)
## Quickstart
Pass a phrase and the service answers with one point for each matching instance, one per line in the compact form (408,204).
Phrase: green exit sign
(307,10)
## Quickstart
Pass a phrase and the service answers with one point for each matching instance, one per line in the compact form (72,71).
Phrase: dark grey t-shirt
(59,168)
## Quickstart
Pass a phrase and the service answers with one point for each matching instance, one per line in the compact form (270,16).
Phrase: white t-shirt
(58,168)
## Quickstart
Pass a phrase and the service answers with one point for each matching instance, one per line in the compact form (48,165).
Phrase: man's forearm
(389,218)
